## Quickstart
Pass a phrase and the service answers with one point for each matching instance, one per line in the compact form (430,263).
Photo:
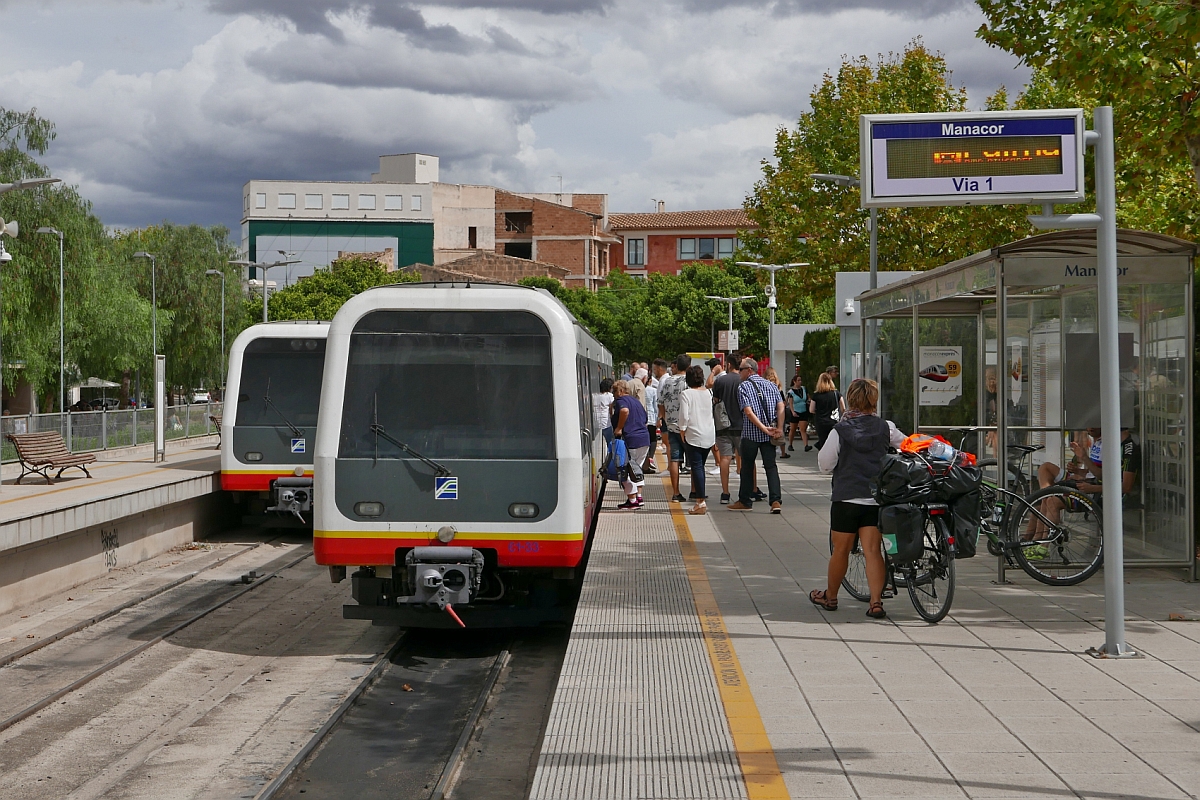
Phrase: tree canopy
(664,315)
(801,220)
(321,294)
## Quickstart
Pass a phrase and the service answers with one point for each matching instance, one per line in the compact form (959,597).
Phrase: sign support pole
(160,409)
(1105,223)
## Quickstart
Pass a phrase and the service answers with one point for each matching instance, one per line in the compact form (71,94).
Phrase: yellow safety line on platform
(760,769)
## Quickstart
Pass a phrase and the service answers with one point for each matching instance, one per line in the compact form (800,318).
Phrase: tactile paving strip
(637,713)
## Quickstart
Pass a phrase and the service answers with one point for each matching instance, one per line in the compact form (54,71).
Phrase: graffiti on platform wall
(109,544)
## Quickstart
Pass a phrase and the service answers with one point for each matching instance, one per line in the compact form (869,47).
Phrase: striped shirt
(748,395)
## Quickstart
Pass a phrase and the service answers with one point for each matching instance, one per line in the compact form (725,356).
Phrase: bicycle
(1019,524)
(929,579)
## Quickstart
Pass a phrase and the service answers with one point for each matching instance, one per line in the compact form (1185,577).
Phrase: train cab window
(290,370)
(449,384)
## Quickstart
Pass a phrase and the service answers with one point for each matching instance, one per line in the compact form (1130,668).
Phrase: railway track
(417,725)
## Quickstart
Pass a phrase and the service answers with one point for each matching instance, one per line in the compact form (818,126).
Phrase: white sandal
(699,509)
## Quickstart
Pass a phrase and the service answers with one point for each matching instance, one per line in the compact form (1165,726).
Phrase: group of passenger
(733,414)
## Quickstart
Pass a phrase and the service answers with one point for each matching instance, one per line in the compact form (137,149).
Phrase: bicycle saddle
(1027,448)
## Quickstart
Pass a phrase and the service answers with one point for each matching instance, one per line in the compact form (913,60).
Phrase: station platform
(131,509)
(697,668)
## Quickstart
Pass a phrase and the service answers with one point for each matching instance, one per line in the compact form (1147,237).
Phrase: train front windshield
(288,371)
(450,385)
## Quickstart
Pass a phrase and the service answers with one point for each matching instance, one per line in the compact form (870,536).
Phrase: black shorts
(849,517)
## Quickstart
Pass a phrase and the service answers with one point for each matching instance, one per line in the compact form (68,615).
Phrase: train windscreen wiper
(380,433)
(267,399)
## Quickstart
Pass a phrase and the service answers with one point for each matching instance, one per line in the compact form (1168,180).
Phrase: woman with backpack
(797,406)
(629,424)
(853,452)
(826,407)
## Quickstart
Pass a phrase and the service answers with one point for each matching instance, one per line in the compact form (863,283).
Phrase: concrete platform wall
(31,572)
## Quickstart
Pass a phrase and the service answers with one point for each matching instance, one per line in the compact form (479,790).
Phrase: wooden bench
(41,452)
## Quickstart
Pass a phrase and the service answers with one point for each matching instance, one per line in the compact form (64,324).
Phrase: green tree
(106,323)
(321,294)
(189,300)
(1139,55)
(803,221)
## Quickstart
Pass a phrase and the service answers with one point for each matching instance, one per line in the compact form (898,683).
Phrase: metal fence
(86,431)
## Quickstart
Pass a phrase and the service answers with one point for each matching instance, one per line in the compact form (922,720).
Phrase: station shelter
(1007,344)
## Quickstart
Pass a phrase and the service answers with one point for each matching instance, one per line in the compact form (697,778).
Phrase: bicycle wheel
(1057,536)
(931,577)
(855,581)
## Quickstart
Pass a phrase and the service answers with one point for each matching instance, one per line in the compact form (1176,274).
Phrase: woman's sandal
(817,598)
(875,611)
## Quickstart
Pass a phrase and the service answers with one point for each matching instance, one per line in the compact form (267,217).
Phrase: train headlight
(446,534)
(368,509)
(523,510)
(252,456)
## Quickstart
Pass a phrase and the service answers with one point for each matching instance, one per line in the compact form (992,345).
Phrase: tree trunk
(125,381)
(1193,146)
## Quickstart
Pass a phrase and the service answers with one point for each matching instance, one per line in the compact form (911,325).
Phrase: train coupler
(441,576)
(292,496)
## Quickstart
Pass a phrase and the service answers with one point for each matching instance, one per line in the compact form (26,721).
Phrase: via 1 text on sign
(977,158)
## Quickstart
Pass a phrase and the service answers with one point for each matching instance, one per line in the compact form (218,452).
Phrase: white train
(269,422)
(456,461)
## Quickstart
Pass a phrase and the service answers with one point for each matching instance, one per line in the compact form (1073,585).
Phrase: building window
(366,202)
(725,248)
(635,252)
(260,200)
(519,249)
(472,237)
(287,201)
(518,221)
(687,249)
(313,201)
(416,202)
(246,203)
(708,248)
(393,202)
(340,202)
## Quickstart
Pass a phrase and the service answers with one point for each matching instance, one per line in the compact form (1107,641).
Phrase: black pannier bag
(902,479)
(907,523)
(964,513)
(957,481)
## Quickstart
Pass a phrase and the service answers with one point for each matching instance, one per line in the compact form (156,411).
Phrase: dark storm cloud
(312,16)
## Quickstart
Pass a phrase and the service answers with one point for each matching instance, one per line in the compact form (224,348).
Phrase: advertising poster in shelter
(940,373)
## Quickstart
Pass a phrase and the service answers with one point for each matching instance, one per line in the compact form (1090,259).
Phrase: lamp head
(5,256)
(47,229)
(848,309)
(213,272)
(143,254)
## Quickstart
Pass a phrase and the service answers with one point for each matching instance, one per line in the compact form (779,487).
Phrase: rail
(92,431)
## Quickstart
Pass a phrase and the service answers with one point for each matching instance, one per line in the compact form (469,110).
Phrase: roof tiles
(675,220)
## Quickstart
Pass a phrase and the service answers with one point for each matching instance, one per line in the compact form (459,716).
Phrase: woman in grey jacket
(854,452)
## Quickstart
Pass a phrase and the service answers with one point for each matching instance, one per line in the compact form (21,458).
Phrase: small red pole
(450,611)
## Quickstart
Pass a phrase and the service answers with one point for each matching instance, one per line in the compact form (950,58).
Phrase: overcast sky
(165,108)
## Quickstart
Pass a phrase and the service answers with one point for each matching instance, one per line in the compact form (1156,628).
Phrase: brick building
(568,230)
(663,241)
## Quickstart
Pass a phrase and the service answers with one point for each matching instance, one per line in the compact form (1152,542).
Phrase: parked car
(200,396)
(110,403)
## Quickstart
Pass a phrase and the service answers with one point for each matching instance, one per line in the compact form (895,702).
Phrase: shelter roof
(977,273)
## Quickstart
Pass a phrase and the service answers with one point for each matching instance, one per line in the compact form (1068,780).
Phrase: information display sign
(972,158)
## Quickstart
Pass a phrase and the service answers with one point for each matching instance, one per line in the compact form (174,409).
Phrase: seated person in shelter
(1085,472)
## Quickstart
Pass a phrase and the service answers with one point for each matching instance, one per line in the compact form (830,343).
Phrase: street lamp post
(222,274)
(264,267)
(62,384)
(730,301)
(850,182)
(772,303)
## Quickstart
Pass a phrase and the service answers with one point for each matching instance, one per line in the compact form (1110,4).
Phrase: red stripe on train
(511,553)
(235,482)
